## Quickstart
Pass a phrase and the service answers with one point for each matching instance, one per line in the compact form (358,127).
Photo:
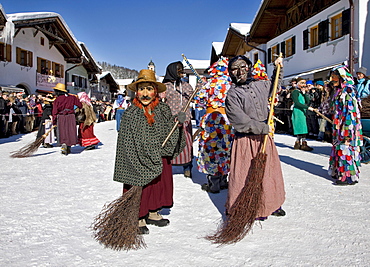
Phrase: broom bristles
(243,213)
(29,149)
(117,225)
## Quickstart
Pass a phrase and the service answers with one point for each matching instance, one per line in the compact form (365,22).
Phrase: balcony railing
(47,80)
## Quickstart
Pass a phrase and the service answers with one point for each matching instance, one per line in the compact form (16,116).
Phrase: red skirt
(158,193)
(86,135)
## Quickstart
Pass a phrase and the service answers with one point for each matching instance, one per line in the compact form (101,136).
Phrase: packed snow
(49,200)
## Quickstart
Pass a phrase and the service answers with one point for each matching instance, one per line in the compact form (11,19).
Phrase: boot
(305,147)
(64,149)
(297,145)
(156,219)
(143,230)
(213,185)
(14,127)
(223,183)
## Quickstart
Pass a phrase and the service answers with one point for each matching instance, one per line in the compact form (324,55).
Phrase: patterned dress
(177,97)
(217,134)
(345,158)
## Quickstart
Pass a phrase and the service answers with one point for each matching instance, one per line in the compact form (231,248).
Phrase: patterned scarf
(147,109)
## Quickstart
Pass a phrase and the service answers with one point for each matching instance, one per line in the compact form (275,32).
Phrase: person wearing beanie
(362,83)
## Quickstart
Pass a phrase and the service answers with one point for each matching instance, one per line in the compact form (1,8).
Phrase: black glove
(181,117)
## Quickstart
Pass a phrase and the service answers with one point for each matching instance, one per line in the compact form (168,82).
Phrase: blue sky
(131,33)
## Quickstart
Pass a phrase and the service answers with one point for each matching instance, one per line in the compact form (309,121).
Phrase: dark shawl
(139,145)
(171,73)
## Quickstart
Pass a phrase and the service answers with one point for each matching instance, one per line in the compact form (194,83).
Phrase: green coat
(300,101)
(139,146)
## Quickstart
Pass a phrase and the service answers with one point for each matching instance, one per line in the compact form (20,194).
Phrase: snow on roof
(3,14)
(103,74)
(197,63)
(124,81)
(218,47)
(40,15)
(242,28)
(90,55)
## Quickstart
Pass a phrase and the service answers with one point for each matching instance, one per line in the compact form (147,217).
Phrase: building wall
(362,55)
(12,73)
(325,54)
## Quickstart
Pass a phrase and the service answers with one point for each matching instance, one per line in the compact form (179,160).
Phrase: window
(314,36)
(336,26)
(42,41)
(24,57)
(5,52)
(58,70)
(43,66)
(288,47)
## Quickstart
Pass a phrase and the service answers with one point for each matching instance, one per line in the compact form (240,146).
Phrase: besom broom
(31,148)
(241,217)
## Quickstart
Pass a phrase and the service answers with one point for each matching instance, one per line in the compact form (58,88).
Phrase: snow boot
(64,149)
(213,185)
(297,145)
(279,212)
(156,219)
(305,147)
(143,230)
(224,183)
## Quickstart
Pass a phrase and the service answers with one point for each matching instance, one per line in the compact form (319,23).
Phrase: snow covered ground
(48,202)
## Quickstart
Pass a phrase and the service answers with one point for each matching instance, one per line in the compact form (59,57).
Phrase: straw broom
(31,148)
(243,213)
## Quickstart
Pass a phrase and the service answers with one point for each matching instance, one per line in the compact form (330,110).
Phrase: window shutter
(61,71)
(278,49)
(30,59)
(282,45)
(293,45)
(8,53)
(38,65)
(346,21)
(305,39)
(325,31)
(269,55)
(321,32)
(18,55)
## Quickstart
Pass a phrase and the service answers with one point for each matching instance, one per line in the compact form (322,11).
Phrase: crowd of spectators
(21,113)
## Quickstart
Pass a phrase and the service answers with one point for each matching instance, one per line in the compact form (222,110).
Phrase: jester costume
(216,135)
(347,130)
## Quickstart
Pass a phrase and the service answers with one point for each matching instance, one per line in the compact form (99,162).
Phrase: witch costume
(143,165)
(176,96)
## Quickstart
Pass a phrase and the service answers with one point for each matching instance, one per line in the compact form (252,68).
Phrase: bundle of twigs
(242,215)
(117,225)
(31,148)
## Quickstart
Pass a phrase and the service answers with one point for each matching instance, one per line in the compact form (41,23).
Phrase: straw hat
(60,87)
(146,75)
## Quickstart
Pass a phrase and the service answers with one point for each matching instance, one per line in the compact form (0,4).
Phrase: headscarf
(344,73)
(120,99)
(172,74)
(84,98)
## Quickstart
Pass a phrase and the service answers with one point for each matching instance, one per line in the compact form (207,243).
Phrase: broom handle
(48,131)
(188,103)
(271,113)
(323,116)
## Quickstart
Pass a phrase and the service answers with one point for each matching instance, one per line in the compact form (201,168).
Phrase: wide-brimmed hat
(362,70)
(60,87)
(146,75)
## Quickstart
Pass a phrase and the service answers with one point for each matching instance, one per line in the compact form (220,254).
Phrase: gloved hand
(181,117)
